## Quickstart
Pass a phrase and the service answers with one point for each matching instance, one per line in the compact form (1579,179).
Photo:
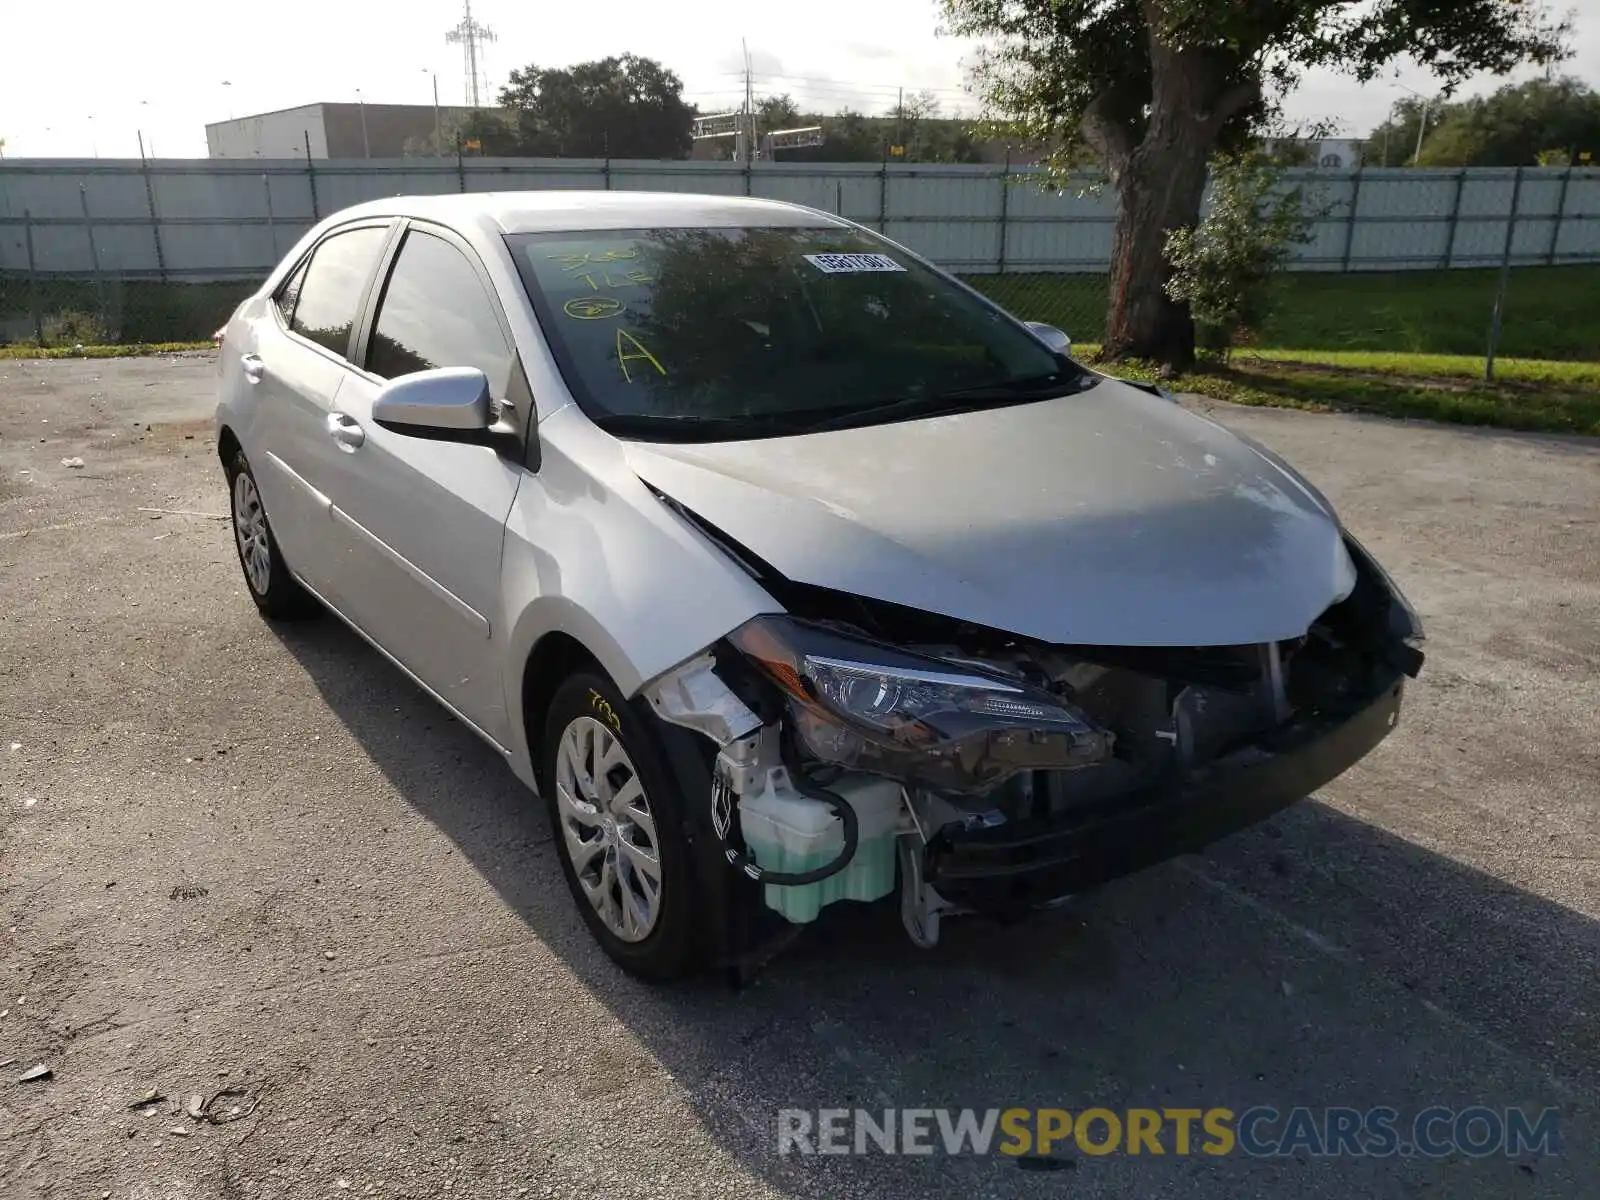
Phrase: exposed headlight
(878,708)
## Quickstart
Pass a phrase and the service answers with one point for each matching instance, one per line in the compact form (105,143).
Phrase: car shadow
(1314,960)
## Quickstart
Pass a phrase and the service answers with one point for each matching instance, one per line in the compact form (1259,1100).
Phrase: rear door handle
(346,430)
(254,368)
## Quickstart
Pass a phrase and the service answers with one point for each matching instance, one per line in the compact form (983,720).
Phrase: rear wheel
(617,812)
(267,577)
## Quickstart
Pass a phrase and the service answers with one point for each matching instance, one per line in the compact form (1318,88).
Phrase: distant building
(1330,154)
(1338,154)
(336,131)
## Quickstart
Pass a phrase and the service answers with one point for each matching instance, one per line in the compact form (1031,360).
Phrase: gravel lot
(232,855)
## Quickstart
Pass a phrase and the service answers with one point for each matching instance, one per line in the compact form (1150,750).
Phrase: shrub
(71,327)
(1223,267)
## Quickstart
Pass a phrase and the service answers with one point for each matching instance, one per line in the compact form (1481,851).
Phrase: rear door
(424,519)
(298,366)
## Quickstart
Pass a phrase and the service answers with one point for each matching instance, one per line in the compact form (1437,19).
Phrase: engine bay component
(693,695)
(792,836)
(890,711)
(809,845)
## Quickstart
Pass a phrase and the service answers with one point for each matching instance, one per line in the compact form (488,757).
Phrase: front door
(422,521)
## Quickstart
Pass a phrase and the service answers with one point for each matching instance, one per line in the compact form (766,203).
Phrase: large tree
(627,107)
(1153,87)
(777,112)
(1519,125)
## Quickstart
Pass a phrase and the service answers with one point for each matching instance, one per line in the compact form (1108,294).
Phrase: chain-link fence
(51,311)
(1398,260)
(1544,312)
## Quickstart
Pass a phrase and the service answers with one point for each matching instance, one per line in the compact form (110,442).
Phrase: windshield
(714,333)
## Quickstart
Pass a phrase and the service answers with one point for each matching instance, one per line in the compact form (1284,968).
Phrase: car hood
(1110,517)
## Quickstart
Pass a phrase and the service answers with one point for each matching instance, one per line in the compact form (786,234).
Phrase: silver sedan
(785,567)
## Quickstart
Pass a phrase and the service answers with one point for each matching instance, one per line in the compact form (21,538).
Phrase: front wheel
(271,585)
(617,812)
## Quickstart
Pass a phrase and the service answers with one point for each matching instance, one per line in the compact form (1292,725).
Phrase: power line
(820,83)
(876,83)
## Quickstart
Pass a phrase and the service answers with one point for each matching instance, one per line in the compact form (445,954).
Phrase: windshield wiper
(1020,391)
(683,426)
(1056,383)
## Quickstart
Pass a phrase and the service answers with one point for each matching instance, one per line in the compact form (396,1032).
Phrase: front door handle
(254,369)
(345,430)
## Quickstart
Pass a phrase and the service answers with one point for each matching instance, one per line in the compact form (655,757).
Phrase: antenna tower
(471,37)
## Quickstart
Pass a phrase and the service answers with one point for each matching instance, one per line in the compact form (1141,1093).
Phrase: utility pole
(745,150)
(366,146)
(438,128)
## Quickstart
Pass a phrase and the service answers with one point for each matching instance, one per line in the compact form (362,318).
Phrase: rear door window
(290,292)
(330,294)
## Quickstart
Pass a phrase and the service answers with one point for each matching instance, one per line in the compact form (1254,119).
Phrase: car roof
(570,209)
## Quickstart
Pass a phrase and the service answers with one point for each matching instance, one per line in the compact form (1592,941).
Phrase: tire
(266,576)
(606,822)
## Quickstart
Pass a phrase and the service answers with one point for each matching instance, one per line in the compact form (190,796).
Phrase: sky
(88,78)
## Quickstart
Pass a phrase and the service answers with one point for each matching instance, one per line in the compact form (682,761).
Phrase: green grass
(130,350)
(1551,313)
(1442,367)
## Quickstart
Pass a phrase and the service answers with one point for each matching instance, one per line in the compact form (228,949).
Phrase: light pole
(366,147)
(438,129)
(1422,126)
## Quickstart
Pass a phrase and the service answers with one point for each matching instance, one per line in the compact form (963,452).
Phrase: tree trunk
(1160,182)
(1160,190)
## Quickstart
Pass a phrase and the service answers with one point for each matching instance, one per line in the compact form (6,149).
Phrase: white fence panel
(185,219)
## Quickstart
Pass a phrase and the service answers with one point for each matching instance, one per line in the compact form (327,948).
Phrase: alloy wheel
(608,828)
(250,528)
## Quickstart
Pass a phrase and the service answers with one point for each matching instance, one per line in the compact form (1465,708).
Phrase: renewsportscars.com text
(1259,1132)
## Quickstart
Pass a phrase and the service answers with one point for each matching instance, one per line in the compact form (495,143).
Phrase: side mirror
(1050,336)
(442,402)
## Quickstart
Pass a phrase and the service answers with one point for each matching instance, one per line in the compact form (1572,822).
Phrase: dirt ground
(233,856)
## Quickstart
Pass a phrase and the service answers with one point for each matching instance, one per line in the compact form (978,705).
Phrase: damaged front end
(861,742)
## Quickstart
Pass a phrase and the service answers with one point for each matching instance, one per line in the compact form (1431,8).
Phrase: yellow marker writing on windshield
(604,280)
(576,262)
(637,354)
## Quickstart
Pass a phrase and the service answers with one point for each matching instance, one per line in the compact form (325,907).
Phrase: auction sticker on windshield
(845,264)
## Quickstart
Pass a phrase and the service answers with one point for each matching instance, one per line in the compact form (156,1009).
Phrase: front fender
(590,552)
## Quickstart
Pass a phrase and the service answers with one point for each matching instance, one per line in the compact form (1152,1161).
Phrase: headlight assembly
(877,708)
